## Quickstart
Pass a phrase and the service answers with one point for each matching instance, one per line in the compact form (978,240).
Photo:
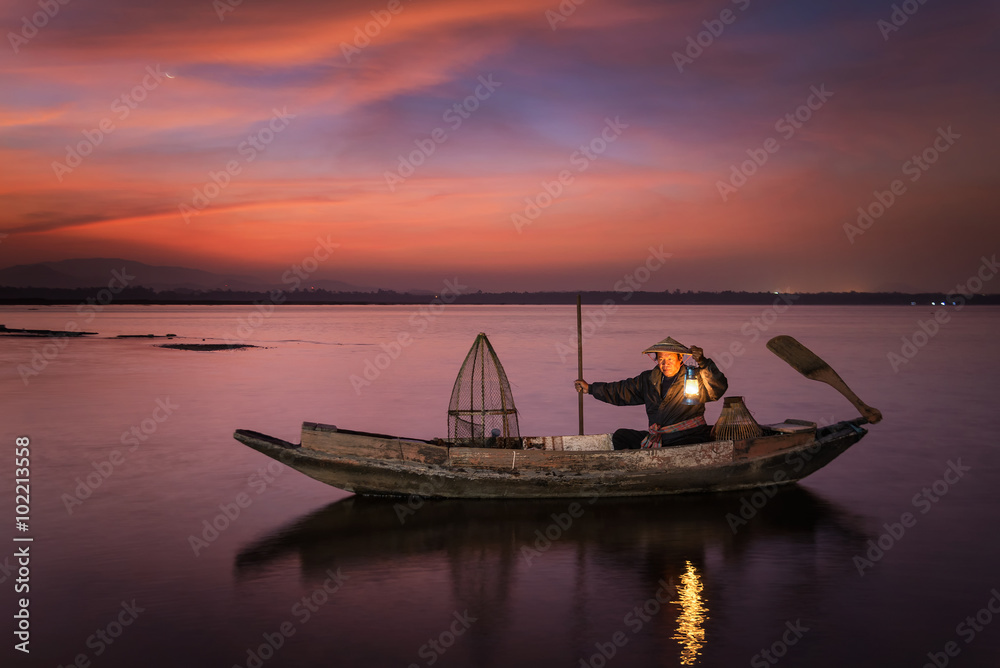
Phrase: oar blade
(800,358)
(812,366)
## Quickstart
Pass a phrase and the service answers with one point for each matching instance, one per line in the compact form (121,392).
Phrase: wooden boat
(573,466)
(555,466)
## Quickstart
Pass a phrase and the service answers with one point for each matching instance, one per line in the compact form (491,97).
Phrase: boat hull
(373,464)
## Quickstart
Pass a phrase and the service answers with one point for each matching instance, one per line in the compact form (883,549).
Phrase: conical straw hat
(668,345)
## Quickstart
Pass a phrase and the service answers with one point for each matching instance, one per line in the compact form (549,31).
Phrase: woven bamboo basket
(735,422)
(481,412)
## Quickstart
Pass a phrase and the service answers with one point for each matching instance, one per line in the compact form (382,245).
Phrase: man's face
(669,363)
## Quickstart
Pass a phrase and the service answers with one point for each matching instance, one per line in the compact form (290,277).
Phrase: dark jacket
(663,396)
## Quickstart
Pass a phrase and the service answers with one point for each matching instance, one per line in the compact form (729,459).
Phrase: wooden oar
(810,365)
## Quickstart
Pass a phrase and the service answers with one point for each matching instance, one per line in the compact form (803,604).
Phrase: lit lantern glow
(692,390)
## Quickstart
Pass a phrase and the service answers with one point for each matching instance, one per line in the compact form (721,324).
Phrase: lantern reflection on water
(693,615)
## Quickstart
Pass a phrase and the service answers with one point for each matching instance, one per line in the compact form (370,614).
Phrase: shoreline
(83,296)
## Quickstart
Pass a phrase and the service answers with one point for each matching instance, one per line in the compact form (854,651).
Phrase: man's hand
(697,354)
(581,386)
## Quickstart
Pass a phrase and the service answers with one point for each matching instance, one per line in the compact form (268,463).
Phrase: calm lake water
(307,575)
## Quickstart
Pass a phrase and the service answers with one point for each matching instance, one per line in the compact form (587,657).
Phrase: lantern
(692,390)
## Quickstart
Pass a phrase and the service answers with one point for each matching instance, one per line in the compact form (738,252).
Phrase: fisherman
(661,389)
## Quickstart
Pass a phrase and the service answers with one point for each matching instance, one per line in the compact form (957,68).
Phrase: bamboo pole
(579,355)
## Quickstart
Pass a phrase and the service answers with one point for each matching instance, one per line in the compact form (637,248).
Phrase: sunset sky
(309,114)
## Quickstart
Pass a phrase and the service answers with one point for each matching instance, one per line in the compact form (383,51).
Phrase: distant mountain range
(96,272)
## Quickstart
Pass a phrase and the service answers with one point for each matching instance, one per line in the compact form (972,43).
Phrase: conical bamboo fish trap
(735,422)
(481,412)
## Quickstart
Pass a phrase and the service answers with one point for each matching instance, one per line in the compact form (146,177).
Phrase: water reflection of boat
(370,526)
(549,467)
(610,546)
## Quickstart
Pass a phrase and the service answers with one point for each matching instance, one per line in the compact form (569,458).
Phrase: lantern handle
(810,365)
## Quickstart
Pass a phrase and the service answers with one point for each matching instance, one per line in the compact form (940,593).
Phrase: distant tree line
(143,295)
